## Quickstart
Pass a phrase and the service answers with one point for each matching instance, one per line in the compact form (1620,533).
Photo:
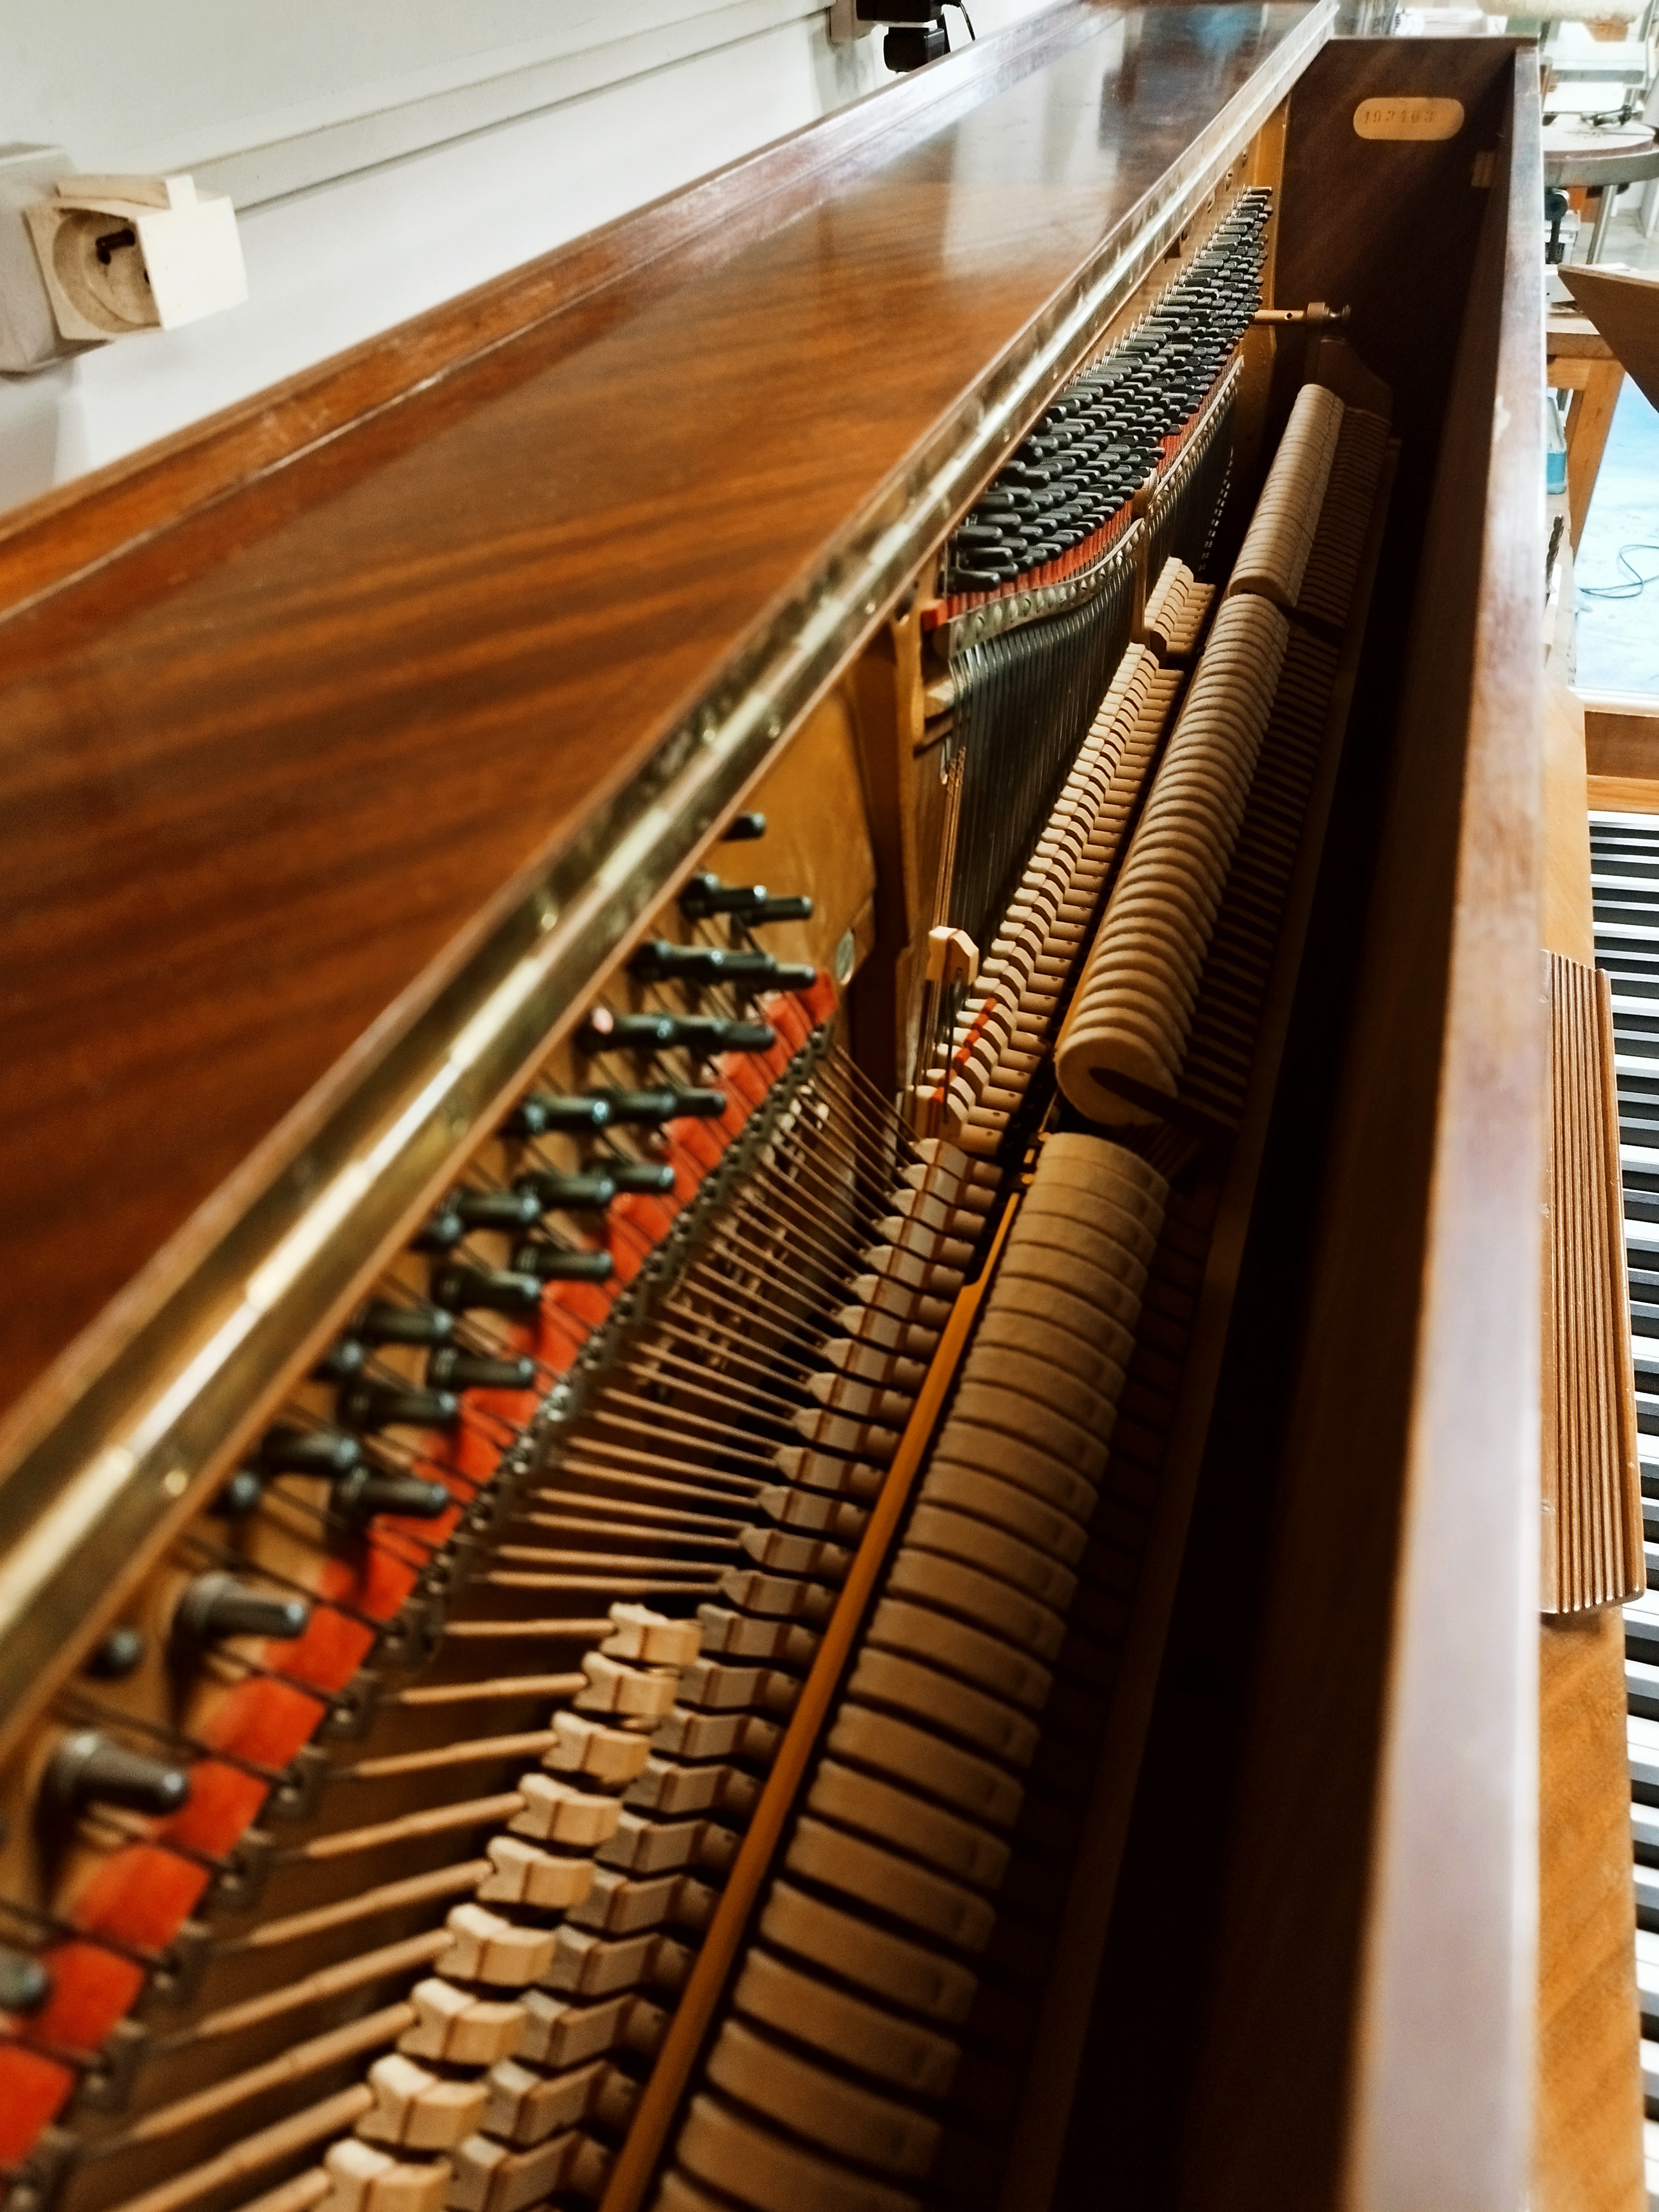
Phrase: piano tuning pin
(451,1369)
(496,1209)
(388,1405)
(308,1451)
(660,961)
(489,1290)
(705,896)
(589,1192)
(116,1658)
(385,1323)
(464,1210)
(792,976)
(744,829)
(604,1032)
(342,1361)
(441,1232)
(25,1985)
(90,1768)
(541,1114)
(647,1177)
(705,1034)
(362,1494)
(558,1263)
(218,1605)
(648,1109)
(238,1497)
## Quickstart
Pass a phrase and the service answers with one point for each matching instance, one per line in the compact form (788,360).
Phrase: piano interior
(773,1157)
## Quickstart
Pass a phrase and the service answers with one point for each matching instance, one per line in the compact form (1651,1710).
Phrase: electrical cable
(1637,583)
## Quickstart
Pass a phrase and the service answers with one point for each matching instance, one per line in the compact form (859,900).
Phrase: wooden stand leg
(1589,420)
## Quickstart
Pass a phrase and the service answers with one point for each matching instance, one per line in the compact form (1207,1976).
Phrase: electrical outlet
(126,253)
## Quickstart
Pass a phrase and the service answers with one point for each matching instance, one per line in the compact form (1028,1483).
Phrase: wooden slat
(1623,794)
(1590,1481)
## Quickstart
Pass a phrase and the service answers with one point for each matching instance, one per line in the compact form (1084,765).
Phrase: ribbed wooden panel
(1592,1500)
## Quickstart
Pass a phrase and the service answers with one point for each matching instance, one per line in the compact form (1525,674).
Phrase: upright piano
(778,1098)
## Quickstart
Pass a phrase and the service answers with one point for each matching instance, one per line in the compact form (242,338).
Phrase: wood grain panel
(259,764)
(1587,2151)
(1622,734)
(1372,1995)
(814,783)
(1623,794)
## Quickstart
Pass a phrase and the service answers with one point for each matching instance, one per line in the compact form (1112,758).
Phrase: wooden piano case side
(1371,1993)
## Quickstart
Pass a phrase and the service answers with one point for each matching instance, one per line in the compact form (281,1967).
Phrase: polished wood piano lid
(285,703)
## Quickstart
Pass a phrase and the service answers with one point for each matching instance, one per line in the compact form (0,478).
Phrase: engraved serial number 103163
(1401,118)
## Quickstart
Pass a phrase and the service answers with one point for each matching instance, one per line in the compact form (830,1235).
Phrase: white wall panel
(625,99)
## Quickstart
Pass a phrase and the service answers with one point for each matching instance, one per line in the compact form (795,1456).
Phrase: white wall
(384,155)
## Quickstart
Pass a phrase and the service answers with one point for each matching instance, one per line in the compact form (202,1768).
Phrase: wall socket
(105,256)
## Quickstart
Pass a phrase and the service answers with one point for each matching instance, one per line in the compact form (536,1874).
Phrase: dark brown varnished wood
(1372,1997)
(1622,734)
(283,707)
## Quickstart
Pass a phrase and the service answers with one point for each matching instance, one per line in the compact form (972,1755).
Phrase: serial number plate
(1399,117)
